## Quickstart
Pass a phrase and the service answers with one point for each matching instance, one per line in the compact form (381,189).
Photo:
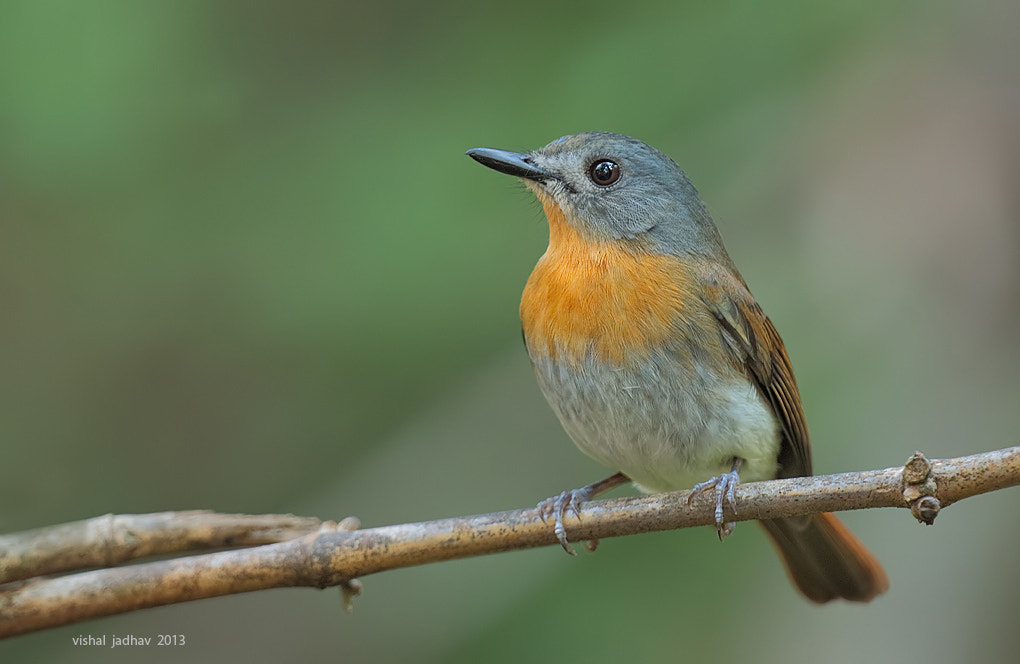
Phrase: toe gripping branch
(556,507)
(724,486)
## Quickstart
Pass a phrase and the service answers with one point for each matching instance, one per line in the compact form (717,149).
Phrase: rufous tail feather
(825,560)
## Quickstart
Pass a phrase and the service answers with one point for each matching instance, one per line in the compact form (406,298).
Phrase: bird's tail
(825,560)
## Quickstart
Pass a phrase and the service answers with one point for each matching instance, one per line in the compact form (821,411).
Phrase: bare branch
(112,539)
(336,555)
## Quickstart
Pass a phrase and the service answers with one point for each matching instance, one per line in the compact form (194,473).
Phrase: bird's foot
(723,486)
(557,507)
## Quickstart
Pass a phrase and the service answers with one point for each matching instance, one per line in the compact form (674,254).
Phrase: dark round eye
(604,172)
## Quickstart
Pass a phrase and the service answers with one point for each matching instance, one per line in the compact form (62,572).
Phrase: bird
(652,352)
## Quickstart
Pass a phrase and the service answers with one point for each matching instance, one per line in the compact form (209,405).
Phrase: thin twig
(336,556)
(112,539)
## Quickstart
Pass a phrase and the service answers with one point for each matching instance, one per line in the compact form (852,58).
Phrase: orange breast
(604,297)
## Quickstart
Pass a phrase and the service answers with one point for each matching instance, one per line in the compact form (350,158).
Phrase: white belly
(664,423)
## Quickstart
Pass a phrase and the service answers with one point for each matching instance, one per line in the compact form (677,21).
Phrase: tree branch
(113,539)
(337,554)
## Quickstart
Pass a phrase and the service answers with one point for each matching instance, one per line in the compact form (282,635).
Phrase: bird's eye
(604,172)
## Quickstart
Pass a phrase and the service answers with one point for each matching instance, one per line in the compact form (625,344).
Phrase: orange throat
(609,298)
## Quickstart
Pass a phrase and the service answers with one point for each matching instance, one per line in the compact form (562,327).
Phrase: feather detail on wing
(755,347)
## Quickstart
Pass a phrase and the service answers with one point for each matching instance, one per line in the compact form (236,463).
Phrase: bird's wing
(756,348)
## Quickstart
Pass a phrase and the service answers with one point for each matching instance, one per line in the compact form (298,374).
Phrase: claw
(557,507)
(724,487)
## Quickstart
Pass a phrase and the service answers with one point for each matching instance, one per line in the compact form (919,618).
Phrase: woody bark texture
(317,554)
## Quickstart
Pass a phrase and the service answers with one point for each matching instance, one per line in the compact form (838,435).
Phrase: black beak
(510,163)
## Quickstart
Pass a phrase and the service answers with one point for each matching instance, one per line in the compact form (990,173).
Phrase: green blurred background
(245,266)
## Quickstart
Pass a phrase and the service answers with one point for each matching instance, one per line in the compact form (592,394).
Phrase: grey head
(614,187)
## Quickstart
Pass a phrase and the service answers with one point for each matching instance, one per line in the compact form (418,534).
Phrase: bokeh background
(245,266)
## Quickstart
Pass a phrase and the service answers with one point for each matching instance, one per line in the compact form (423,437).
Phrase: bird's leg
(724,485)
(557,507)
